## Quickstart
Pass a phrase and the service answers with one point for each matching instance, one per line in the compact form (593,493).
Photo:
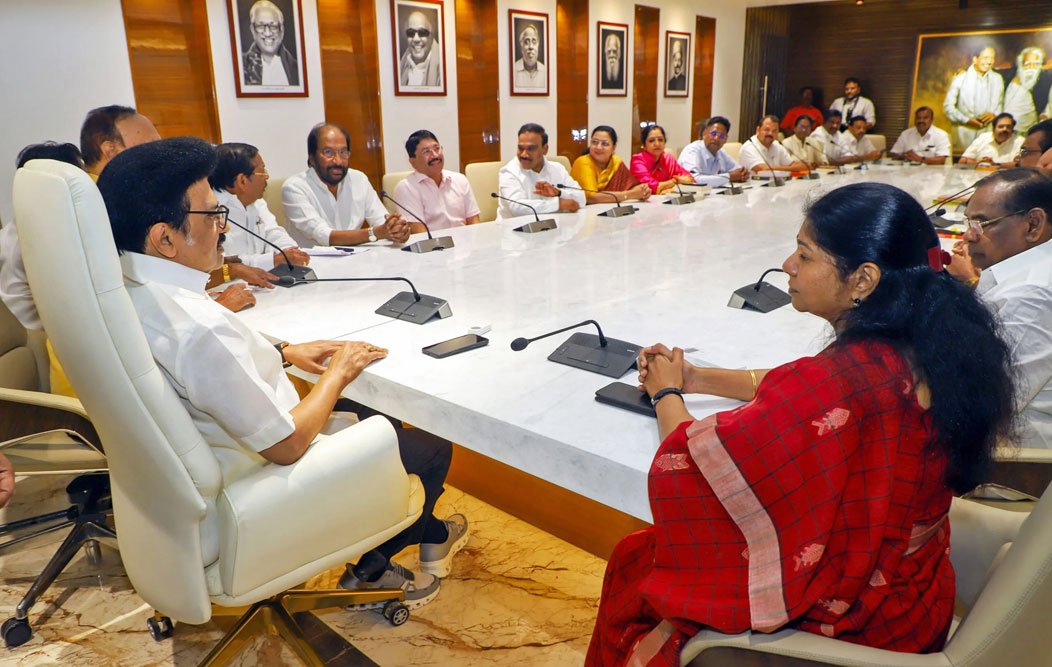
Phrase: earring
(858,302)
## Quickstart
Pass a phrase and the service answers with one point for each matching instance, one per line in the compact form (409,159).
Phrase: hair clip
(938,258)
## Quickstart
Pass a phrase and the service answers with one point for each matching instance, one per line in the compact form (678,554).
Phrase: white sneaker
(437,559)
(420,588)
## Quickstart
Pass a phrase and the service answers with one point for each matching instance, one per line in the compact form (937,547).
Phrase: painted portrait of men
(1027,89)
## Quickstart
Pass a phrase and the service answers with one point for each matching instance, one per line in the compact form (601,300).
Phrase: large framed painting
(528,34)
(612,49)
(677,60)
(418,38)
(266,37)
(968,78)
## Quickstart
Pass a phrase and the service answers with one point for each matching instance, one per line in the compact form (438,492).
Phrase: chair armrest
(42,399)
(979,535)
(1023,469)
(346,489)
(24,413)
(794,648)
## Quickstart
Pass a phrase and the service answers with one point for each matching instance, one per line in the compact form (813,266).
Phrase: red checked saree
(819,505)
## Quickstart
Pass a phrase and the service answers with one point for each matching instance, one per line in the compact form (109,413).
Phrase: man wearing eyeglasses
(420,65)
(329,203)
(1009,228)
(441,198)
(267,62)
(705,158)
(1038,142)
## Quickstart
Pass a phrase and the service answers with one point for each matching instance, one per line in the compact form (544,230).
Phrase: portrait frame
(604,87)
(434,10)
(683,39)
(244,51)
(518,21)
(942,56)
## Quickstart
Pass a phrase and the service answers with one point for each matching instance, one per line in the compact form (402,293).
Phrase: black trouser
(426,456)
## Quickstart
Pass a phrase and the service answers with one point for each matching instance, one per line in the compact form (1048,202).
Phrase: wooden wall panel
(478,93)
(351,80)
(877,42)
(645,74)
(171,65)
(704,56)
(766,48)
(572,31)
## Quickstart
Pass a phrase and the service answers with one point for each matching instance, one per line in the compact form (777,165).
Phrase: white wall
(403,115)
(277,126)
(54,71)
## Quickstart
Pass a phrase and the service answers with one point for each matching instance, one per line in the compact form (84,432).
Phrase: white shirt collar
(1006,268)
(318,184)
(142,269)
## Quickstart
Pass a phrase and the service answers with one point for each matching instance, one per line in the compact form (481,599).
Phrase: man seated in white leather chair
(168,226)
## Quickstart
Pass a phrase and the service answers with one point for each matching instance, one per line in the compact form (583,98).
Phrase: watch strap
(662,393)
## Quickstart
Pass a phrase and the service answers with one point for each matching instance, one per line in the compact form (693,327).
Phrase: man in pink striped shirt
(441,198)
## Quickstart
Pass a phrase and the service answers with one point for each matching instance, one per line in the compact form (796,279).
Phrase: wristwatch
(285,363)
(662,393)
(372,234)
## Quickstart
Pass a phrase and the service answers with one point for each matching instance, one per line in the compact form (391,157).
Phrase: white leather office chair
(388,184)
(561,159)
(483,179)
(880,141)
(733,148)
(186,540)
(272,195)
(1003,561)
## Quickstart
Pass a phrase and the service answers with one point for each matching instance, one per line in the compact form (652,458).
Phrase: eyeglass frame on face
(430,151)
(602,143)
(978,226)
(274,28)
(1023,152)
(220,212)
(330,154)
(410,33)
(716,134)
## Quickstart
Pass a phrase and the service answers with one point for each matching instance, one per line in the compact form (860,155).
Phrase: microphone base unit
(813,175)
(404,306)
(941,222)
(427,245)
(583,351)
(297,272)
(619,211)
(775,182)
(764,300)
(730,190)
(537,226)
(680,200)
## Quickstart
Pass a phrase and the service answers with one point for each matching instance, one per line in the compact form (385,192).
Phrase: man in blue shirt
(706,160)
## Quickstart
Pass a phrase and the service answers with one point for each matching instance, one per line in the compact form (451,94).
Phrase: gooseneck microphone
(616,212)
(520,344)
(936,215)
(408,306)
(286,270)
(431,243)
(537,225)
(675,201)
(776,182)
(759,296)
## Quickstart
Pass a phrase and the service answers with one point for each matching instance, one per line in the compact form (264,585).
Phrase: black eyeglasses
(413,32)
(1023,152)
(218,216)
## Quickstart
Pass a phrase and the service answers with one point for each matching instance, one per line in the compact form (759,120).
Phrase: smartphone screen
(455,346)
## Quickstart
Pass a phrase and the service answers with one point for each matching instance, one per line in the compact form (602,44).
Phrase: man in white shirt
(267,62)
(441,198)
(854,145)
(801,148)
(706,160)
(763,148)
(923,142)
(1010,226)
(531,178)
(107,131)
(239,179)
(528,71)
(974,99)
(853,104)
(328,203)
(1038,142)
(167,225)
(827,134)
(999,147)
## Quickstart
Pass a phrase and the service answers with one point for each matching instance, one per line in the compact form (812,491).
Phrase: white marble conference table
(664,274)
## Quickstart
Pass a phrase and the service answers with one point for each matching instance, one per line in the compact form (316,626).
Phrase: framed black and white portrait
(529,52)
(266,38)
(418,38)
(611,68)
(677,59)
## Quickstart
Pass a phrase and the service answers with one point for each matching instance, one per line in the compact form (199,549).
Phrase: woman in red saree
(820,504)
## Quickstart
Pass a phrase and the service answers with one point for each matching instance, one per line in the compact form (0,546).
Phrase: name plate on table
(583,351)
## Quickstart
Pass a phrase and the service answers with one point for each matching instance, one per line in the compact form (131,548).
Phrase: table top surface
(664,274)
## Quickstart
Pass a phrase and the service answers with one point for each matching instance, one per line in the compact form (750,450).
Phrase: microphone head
(560,186)
(938,212)
(286,281)
(519,344)
(383,193)
(494,195)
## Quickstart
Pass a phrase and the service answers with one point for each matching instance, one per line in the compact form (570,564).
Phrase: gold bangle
(752,375)
(973,281)
(226,273)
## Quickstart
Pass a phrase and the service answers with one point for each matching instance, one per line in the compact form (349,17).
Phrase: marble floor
(516,596)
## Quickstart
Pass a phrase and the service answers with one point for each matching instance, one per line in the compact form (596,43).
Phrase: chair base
(275,616)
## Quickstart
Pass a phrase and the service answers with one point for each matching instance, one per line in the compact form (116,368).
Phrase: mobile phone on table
(626,396)
(448,348)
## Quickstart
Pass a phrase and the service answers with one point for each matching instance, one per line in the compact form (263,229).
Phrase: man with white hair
(420,65)
(613,77)
(267,62)
(1027,92)
(529,70)
(678,77)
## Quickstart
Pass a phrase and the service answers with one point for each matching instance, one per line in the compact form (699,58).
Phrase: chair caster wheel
(160,627)
(396,613)
(16,631)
